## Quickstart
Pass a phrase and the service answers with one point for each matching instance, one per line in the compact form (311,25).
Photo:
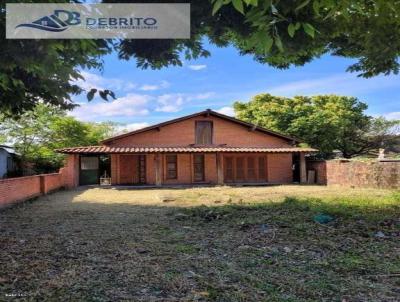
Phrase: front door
(89,170)
(198,167)
(245,169)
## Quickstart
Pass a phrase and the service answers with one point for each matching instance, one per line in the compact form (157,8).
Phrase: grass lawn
(204,244)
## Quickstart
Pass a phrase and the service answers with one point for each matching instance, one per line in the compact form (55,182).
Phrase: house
(201,148)
(8,161)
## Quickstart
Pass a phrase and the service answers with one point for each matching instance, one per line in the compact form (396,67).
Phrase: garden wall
(319,166)
(20,188)
(14,190)
(375,174)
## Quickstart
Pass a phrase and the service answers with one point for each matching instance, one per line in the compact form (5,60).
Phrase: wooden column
(158,169)
(220,169)
(303,169)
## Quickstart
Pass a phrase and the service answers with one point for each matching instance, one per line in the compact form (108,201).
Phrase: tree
(276,32)
(382,133)
(33,71)
(285,32)
(326,122)
(37,133)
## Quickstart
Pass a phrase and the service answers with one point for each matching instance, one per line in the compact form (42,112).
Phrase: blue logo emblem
(59,21)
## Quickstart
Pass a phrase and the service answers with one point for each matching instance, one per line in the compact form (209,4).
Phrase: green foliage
(37,133)
(43,70)
(280,33)
(305,29)
(326,122)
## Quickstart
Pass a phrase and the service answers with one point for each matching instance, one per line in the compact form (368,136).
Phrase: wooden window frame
(256,169)
(167,177)
(204,167)
(212,131)
(252,168)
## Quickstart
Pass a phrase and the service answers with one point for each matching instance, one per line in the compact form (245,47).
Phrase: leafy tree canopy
(37,133)
(43,70)
(327,122)
(280,33)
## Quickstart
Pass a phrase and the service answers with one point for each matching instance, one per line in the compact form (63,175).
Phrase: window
(89,163)
(172,167)
(198,162)
(204,132)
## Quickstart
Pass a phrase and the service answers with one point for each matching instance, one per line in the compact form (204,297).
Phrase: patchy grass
(208,244)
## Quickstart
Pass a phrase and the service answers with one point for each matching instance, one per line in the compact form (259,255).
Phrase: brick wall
(51,182)
(18,189)
(279,168)
(378,174)
(184,170)
(319,166)
(183,134)
(14,190)
(70,172)
(210,168)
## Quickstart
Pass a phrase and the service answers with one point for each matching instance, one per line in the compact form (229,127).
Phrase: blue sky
(147,97)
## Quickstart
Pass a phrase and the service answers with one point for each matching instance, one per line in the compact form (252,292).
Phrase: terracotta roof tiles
(191,149)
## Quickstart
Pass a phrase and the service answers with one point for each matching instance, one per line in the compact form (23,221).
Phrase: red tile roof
(105,149)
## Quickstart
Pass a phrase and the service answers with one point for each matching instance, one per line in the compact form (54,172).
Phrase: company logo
(59,21)
(97,20)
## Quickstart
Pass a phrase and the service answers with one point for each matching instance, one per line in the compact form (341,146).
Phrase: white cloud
(129,86)
(148,87)
(347,84)
(129,105)
(162,85)
(392,115)
(200,96)
(170,102)
(197,67)
(96,81)
(130,127)
(174,102)
(227,111)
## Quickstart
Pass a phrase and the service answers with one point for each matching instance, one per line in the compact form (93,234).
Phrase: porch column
(71,171)
(114,169)
(158,169)
(220,170)
(303,169)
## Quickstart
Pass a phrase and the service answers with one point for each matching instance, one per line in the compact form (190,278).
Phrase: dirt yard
(204,244)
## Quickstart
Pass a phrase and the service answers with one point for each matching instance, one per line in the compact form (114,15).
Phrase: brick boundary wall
(14,190)
(51,182)
(375,174)
(319,166)
(18,189)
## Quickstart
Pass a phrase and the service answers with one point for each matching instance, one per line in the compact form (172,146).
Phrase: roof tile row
(106,149)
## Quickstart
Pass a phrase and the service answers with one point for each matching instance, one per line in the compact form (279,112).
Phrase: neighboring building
(202,148)
(8,161)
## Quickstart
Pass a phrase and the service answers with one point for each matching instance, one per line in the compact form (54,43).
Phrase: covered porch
(168,166)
